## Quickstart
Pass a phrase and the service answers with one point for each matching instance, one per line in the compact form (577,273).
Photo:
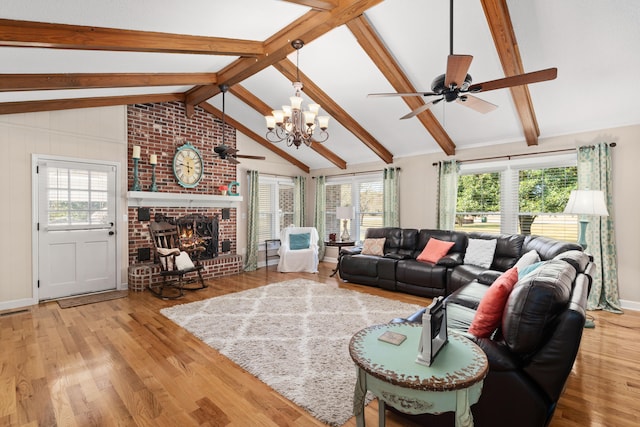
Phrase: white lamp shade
(586,202)
(271,121)
(345,212)
(323,122)
(296,102)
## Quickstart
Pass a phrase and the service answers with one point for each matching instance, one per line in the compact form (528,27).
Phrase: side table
(339,245)
(453,382)
(267,243)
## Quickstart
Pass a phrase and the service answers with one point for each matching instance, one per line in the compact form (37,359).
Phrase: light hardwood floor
(121,363)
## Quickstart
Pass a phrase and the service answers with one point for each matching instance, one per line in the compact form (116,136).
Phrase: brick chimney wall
(160,129)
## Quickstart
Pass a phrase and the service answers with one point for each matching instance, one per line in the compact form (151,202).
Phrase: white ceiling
(593,44)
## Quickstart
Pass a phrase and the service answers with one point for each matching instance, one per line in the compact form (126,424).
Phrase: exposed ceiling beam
(18,82)
(310,26)
(378,52)
(288,69)
(499,20)
(257,104)
(62,36)
(69,104)
(316,4)
(251,134)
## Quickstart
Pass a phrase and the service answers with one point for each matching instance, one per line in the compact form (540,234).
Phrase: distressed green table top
(458,365)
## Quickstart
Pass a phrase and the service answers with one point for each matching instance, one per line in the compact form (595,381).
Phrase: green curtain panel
(251,260)
(447,194)
(319,215)
(299,200)
(594,173)
(391,204)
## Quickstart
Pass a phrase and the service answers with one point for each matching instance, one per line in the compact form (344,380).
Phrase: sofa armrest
(451,260)
(351,250)
(489,276)
(498,354)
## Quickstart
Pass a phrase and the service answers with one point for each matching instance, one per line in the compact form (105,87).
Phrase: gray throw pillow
(527,259)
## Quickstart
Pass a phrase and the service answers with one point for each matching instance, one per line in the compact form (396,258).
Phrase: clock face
(187,166)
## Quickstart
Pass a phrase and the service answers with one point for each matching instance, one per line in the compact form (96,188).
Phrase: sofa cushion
(373,246)
(508,248)
(534,305)
(480,252)
(547,247)
(299,241)
(489,313)
(434,250)
(530,268)
(527,259)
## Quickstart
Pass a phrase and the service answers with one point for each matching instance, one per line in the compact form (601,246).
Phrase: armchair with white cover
(298,250)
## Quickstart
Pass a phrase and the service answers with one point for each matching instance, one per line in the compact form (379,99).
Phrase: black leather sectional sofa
(398,269)
(532,352)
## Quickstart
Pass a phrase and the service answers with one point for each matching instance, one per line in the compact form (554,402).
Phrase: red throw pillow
(434,250)
(489,313)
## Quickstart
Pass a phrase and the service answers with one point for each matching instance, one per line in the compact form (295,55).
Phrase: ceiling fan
(456,84)
(223,150)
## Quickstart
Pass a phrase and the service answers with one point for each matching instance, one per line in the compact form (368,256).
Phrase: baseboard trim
(630,305)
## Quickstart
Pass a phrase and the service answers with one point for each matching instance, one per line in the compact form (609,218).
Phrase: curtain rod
(508,157)
(354,173)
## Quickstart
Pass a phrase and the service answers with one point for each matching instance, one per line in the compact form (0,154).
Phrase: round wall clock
(187,165)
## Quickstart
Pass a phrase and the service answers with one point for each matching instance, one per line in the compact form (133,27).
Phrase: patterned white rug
(294,336)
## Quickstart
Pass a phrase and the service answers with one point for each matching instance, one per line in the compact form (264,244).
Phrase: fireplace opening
(197,230)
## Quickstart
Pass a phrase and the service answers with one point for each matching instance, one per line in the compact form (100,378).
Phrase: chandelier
(293,125)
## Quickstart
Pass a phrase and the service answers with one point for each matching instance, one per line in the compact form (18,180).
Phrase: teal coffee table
(453,382)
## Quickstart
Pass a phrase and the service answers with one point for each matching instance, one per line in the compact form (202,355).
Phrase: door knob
(111,233)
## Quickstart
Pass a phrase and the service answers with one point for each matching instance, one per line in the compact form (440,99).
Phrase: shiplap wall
(92,133)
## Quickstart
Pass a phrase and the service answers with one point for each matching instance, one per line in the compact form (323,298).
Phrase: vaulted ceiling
(79,53)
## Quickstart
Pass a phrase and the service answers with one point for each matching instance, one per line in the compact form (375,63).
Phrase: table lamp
(586,202)
(345,213)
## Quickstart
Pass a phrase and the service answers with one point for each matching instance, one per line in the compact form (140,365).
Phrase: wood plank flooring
(121,363)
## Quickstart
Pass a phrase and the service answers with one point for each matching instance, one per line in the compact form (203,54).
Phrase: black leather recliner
(532,353)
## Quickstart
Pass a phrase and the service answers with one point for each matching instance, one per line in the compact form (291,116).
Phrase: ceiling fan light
(296,102)
(271,122)
(323,122)
(278,116)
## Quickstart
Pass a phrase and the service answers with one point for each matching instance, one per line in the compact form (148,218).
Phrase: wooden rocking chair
(174,261)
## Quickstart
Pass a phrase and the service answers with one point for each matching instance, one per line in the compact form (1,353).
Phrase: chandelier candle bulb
(271,122)
(136,152)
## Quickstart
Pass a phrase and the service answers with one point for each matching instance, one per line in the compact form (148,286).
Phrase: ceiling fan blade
(520,79)
(379,95)
(457,68)
(420,109)
(232,160)
(480,105)
(246,156)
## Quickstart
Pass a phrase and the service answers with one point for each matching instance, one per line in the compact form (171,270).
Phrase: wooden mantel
(181,200)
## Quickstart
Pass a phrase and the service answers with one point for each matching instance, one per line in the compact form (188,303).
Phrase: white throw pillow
(480,252)
(183,262)
(527,259)
(165,259)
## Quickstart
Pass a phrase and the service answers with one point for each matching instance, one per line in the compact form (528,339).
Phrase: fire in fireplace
(196,230)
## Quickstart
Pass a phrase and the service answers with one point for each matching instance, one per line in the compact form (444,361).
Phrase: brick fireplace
(159,129)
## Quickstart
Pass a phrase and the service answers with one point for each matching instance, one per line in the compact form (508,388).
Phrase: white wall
(92,133)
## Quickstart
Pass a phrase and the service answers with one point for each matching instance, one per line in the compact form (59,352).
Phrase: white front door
(76,228)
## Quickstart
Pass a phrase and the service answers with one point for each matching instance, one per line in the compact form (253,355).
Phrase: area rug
(92,298)
(294,336)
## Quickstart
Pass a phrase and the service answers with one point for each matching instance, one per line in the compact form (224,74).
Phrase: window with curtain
(276,206)
(525,196)
(365,193)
